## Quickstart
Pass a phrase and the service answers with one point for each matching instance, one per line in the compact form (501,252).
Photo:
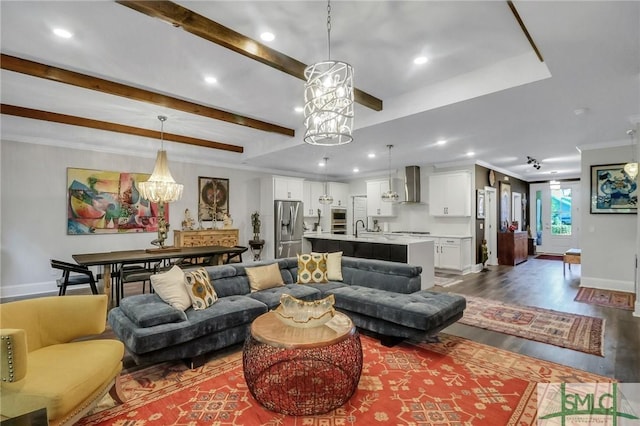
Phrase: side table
(302,371)
(256,248)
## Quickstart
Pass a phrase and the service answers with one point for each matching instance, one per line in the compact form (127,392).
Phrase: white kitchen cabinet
(285,188)
(452,253)
(312,192)
(450,194)
(340,194)
(375,206)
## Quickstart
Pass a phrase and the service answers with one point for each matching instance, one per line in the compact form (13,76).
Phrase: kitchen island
(414,251)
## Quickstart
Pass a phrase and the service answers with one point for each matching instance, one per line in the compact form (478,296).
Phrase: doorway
(556,227)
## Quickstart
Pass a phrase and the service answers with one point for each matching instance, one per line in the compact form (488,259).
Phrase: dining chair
(130,274)
(73,274)
(236,257)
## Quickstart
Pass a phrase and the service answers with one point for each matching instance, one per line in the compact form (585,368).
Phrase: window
(561,211)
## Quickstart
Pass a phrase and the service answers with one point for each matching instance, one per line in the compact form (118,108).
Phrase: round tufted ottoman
(302,371)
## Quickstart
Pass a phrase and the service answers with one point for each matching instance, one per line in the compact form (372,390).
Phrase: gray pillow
(150,313)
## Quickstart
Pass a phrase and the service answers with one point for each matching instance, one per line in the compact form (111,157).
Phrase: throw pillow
(200,290)
(170,287)
(312,268)
(264,277)
(334,266)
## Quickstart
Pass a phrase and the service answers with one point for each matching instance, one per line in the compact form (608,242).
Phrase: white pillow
(334,266)
(170,286)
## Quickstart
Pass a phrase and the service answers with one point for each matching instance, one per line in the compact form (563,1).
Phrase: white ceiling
(483,89)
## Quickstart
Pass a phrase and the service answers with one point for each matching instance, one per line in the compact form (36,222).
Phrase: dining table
(111,260)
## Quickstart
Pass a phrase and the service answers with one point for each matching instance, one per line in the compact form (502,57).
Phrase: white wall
(33,209)
(608,240)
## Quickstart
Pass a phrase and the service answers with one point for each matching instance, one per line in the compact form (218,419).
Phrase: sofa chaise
(379,296)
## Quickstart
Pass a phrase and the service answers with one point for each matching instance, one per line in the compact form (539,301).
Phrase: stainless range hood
(412,185)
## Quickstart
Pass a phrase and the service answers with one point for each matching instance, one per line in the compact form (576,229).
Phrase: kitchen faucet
(356,227)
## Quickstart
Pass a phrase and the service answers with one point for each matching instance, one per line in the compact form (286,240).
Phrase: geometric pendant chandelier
(328,99)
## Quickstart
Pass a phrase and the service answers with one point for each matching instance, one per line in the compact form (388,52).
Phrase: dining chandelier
(325,198)
(390,196)
(631,169)
(328,99)
(161,187)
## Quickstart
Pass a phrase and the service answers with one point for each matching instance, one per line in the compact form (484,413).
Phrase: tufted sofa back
(230,280)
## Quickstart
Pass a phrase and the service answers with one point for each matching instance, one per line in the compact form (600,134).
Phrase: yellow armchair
(44,362)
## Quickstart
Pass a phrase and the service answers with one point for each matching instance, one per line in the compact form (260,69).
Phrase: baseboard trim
(606,284)
(28,290)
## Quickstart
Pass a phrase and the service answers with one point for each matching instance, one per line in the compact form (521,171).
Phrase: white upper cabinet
(450,194)
(312,192)
(375,206)
(340,194)
(285,188)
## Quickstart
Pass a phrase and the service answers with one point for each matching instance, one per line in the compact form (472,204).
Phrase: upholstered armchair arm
(13,354)
(53,320)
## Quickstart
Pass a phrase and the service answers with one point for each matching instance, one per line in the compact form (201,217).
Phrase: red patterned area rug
(608,298)
(572,331)
(453,382)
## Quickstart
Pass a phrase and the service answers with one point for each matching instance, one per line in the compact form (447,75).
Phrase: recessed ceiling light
(441,142)
(419,60)
(298,109)
(372,155)
(470,154)
(211,79)
(321,164)
(267,36)
(61,32)
(356,170)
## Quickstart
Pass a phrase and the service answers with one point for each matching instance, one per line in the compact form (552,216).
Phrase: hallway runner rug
(572,331)
(453,382)
(607,298)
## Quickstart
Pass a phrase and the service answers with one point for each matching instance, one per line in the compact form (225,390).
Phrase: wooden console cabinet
(206,237)
(512,248)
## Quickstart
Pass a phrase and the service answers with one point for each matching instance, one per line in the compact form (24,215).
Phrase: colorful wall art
(104,202)
(213,195)
(612,190)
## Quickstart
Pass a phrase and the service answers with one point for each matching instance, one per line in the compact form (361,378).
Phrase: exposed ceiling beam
(112,127)
(73,78)
(524,29)
(214,32)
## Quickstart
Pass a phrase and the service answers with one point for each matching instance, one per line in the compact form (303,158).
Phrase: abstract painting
(105,202)
(612,190)
(213,198)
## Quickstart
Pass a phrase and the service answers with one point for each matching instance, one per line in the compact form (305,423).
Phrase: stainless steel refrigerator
(288,228)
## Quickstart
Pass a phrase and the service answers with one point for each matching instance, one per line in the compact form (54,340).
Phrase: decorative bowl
(305,314)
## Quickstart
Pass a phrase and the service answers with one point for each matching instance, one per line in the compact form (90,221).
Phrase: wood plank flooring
(541,283)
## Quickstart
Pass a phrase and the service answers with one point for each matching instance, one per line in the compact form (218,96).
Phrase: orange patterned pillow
(200,290)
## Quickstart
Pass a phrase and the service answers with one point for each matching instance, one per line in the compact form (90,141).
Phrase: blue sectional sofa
(379,296)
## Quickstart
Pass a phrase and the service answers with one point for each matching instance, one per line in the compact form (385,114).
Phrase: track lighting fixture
(534,162)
